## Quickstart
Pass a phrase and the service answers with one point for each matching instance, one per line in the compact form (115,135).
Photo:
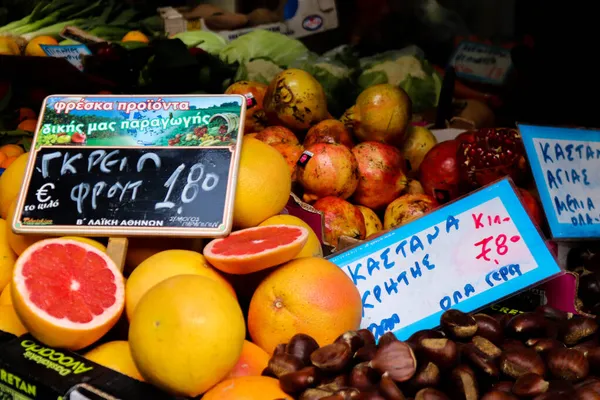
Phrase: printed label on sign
(565,165)
(133,165)
(71,53)
(466,255)
(481,62)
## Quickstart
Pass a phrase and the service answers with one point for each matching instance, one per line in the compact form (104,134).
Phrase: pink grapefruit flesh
(254,249)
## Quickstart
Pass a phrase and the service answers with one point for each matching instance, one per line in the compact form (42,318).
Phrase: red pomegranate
(439,173)
(381,176)
(277,134)
(489,154)
(329,131)
(341,219)
(327,169)
(532,206)
(407,208)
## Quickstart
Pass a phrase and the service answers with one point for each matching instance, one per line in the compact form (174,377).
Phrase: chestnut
(337,381)
(363,377)
(553,314)
(480,362)
(578,329)
(585,347)
(464,383)
(397,359)
(332,358)
(526,326)
(430,394)
(530,385)
(560,386)
(428,375)
(517,362)
(348,393)
(503,386)
(586,393)
(442,352)
(299,381)
(302,346)
(550,396)
(593,357)
(389,389)
(267,372)
(486,347)
(386,338)
(315,394)
(498,395)
(568,364)
(280,349)
(489,328)
(543,346)
(512,344)
(282,364)
(589,288)
(352,339)
(365,353)
(369,396)
(458,325)
(416,337)
(367,337)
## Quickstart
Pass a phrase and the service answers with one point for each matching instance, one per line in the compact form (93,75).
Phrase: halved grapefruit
(254,249)
(68,294)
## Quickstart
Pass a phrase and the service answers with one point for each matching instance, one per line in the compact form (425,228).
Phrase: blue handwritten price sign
(72,53)
(481,62)
(465,255)
(566,168)
(133,165)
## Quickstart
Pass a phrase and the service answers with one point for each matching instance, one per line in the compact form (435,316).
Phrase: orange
(7,256)
(5,297)
(28,125)
(26,113)
(10,322)
(12,150)
(9,47)
(68,294)
(264,184)
(10,183)
(116,356)
(33,47)
(372,221)
(18,243)
(308,295)
(252,362)
(254,249)
(312,248)
(135,36)
(186,334)
(3,158)
(247,388)
(9,160)
(164,265)
(140,249)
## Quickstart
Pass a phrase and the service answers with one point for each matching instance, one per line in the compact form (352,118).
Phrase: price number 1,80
(197,180)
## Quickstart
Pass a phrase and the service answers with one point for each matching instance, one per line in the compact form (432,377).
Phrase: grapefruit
(89,241)
(18,243)
(162,266)
(67,293)
(33,47)
(186,334)
(247,388)
(7,257)
(10,322)
(264,184)
(312,248)
(252,361)
(116,356)
(5,298)
(10,183)
(255,249)
(308,295)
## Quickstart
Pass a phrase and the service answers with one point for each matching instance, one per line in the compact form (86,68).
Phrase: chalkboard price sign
(157,186)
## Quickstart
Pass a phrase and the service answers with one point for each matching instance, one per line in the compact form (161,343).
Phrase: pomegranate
(277,134)
(407,208)
(327,169)
(291,152)
(489,154)
(440,177)
(78,138)
(380,172)
(372,221)
(329,131)
(381,113)
(341,219)
(254,92)
(532,206)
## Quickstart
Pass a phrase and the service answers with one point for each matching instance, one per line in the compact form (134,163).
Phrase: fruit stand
(281,224)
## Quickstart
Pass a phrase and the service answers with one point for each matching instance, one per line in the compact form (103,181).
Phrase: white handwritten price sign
(468,254)
(71,53)
(481,62)
(566,168)
(122,165)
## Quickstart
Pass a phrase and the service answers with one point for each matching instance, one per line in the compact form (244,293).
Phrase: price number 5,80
(197,179)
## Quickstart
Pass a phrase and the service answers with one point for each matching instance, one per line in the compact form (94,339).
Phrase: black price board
(176,180)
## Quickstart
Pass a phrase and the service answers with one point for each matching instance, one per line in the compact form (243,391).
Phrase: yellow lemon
(18,243)
(5,297)
(7,256)
(10,183)
(10,322)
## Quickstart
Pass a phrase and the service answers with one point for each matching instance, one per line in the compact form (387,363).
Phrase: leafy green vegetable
(282,50)
(205,40)
(260,70)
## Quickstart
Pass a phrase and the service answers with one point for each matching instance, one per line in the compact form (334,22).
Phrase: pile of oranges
(9,153)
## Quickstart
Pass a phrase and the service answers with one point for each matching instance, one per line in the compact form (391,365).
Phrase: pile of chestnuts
(541,355)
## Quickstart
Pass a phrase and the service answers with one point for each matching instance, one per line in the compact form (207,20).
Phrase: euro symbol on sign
(42,193)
